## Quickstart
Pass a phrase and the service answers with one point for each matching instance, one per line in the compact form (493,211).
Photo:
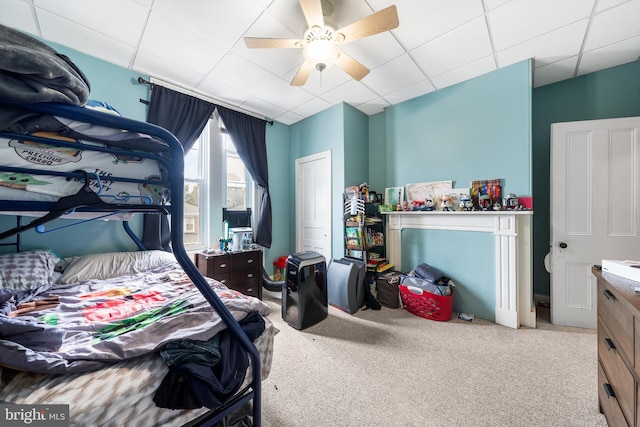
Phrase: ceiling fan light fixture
(321,53)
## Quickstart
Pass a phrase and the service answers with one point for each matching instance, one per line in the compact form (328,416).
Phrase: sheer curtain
(185,116)
(248,135)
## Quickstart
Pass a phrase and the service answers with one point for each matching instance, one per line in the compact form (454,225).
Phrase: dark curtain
(185,116)
(248,135)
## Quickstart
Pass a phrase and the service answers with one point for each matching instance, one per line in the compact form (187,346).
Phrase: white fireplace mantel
(512,231)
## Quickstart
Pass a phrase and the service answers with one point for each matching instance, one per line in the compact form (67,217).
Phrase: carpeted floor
(391,368)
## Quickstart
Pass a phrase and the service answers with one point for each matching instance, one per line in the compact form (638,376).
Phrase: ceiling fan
(321,41)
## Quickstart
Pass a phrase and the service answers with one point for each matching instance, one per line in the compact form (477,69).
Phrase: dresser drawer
(619,376)
(242,260)
(618,319)
(609,402)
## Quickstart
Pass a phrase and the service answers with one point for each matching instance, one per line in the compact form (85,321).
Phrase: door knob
(563,245)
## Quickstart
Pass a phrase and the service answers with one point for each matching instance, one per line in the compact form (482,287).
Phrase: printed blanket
(87,325)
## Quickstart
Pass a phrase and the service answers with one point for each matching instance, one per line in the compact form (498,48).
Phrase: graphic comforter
(87,325)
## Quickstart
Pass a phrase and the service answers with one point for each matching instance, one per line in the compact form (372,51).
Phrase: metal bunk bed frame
(253,391)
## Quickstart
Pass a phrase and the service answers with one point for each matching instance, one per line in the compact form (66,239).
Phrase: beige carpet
(391,368)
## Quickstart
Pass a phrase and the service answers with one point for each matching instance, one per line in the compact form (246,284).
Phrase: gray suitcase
(345,284)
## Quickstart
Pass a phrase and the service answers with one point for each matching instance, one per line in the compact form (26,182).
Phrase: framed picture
(393,195)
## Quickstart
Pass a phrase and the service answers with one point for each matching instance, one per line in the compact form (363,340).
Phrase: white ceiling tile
(322,82)
(521,20)
(410,92)
(239,73)
(266,109)
(84,40)
(555,72)
(458,47)
(423,21)
(155,66)
(373,107)
(610,56)
(198,44)
(606,4)
(374,51)
(222,92)
(352,92)
(180,44)
(17,14)
(121,20)
(217,20)
(615,24)
(288,118)
(547,48)
(288,96)
(393,76)
(465,72)
(312,107)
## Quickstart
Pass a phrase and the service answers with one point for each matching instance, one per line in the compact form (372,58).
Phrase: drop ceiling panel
(609,56)
(618,23)
(17,14)
(120,20)
(85,40)
(216,20)
(394,75)
(463,45)
(180,45)
(549,47)
(522,20)
(198,44)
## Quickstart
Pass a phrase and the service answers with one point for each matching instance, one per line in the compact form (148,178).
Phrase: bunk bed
(111,368)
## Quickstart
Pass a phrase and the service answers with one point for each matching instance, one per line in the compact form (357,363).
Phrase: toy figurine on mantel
(429,203)
(446,202)
(466,204)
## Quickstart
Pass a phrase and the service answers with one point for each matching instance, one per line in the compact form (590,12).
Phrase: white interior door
(594,210)
(313,204)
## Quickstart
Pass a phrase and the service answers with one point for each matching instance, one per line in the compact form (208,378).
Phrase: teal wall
(610,93)
(356,146)
(278,149)
(377,153)
(321,132)
(478,129)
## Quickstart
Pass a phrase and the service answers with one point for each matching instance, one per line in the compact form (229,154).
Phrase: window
(195,192)
(208,187)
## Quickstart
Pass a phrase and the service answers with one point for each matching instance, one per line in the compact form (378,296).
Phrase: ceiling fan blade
(257,42)
(303,74)
(384,20)
(312,10)
(352,67)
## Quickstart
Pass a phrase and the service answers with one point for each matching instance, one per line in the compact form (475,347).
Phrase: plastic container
(425,304)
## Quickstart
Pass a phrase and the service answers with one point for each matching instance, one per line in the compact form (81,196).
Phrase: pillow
(27,270)
(113,264)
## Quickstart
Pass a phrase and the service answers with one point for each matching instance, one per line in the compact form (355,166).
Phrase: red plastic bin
(425,304)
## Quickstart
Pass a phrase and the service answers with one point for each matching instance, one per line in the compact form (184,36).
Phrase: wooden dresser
(241,271)
(618,349)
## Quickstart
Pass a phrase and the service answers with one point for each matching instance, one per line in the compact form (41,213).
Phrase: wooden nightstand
(241,271)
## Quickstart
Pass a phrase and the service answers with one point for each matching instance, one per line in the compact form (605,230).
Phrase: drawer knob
(249,290)
(610,345)
(608,390)
(250,275)
(608,295)
(223,281)
(223,265)
(250,261)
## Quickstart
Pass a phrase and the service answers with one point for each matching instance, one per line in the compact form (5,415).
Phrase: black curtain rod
(146,82)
